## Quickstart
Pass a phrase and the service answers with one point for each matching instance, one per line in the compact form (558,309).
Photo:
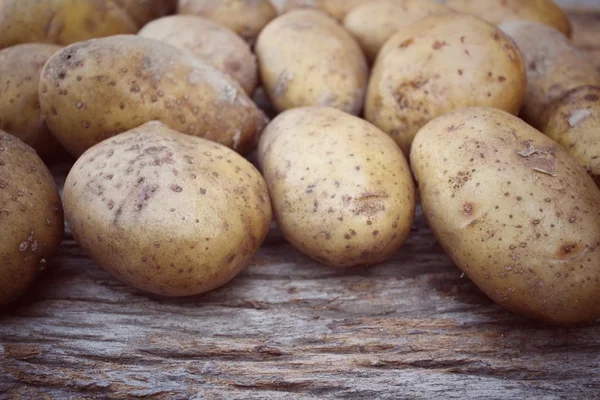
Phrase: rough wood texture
(287,328)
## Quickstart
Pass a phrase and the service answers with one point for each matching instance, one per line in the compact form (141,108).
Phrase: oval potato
(513,211)
(554,67)
(60,21)
(31,217)
(245,17)
(96,89)
(499,11)
(341,190)
(373,23)
(325,67)
(439,65)
(20,69)
(144,11)
(209,41)
(166,212)
(574,123)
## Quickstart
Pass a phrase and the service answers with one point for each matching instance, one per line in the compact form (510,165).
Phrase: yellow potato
(144,11)
(165,212)
(554,67)
(209,41)
(245,17)
(373,23)
(324,67)
(60,21)
(93,90)
(499,11)
(574,122)
(20,68)
(439,65)
(342,191)
(31,217)
(513,211)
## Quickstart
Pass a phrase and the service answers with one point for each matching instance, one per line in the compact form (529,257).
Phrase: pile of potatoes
(157,102)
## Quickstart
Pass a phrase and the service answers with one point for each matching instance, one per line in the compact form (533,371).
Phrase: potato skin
(338,9)
(554,67)
(439,65)
(31,216)
(500,11)
(315,71)
(144,11)
(209,41)
(574,123)
(96,89)
(60,21)
(166,212)
(245,17)
(341,190)
(373,23)
(20,68)
(513,211)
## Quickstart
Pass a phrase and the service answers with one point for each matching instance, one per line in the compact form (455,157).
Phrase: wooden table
(287,328)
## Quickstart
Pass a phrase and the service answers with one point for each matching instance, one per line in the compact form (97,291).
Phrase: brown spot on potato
(439,44)
(406,43)
(468,208)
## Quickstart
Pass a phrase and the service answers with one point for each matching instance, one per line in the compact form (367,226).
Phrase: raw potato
(342,191)
(373,23)
(499,11)
(165,212)
(96,89)
(439,65)
(245,17)
(144,11)
(324,67)
(31,217)
(513,211)
(554,67)
(60,21)
(574,122)
(209,41)
(20,68)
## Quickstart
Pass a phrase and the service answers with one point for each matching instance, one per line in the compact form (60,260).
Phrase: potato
(338,9)
(324,67)
(554,67)
(245,17)
(574,122)
(31,217)
(60,21)
(165,212)
(499,11)
(341,190)
(372,24)
(513,211)
(96,89)
(20,68)
(144,11)
(209,41)
(439,65)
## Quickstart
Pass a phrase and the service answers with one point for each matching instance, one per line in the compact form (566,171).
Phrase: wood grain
(287,328)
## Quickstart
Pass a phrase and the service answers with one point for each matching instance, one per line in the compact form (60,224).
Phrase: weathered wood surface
(287,328)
